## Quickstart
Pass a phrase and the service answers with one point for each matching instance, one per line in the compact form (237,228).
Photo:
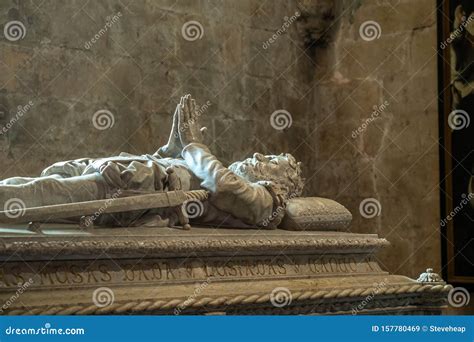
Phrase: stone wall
(376,126)
(304,60)
(132,59)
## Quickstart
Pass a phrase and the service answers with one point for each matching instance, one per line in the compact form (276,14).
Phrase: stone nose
(259,156)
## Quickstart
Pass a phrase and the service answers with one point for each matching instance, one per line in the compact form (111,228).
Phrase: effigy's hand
(173,147)
(188,123)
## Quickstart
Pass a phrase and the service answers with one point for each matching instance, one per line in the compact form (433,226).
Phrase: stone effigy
(307,266)
(250,193)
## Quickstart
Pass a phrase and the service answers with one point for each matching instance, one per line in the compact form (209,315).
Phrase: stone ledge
(60,244)
(332,295)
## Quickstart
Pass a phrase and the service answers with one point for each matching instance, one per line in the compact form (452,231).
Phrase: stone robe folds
(233,200)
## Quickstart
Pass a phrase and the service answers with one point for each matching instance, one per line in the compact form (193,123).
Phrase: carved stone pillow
(315,213)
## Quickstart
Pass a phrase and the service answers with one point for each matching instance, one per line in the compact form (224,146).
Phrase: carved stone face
(281,169)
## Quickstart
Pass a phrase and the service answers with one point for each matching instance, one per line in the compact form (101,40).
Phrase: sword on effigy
(166,199)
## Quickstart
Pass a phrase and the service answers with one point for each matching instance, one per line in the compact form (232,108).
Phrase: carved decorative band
(438,291)
(180,247)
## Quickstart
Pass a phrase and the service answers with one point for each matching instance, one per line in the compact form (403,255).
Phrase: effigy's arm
(249,202)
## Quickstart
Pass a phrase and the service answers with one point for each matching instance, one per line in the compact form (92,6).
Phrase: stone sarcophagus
(310,267)
(65,270)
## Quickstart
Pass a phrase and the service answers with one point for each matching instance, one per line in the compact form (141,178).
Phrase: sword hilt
(200,195)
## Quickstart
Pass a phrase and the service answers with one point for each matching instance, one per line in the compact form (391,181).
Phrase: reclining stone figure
(249,193)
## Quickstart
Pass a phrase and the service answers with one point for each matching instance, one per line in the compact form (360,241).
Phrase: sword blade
(111,205)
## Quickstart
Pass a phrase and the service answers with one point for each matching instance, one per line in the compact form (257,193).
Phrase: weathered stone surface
(395,16)
(315,213)
(329,89)
(393,158)
(158,271)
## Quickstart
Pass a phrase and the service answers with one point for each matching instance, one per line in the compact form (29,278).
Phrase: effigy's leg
(21,180)
(51,190)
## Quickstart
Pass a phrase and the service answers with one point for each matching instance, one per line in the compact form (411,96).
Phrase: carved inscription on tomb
(83,273)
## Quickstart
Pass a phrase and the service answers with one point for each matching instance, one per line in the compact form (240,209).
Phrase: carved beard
(245,170)
(249,171)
